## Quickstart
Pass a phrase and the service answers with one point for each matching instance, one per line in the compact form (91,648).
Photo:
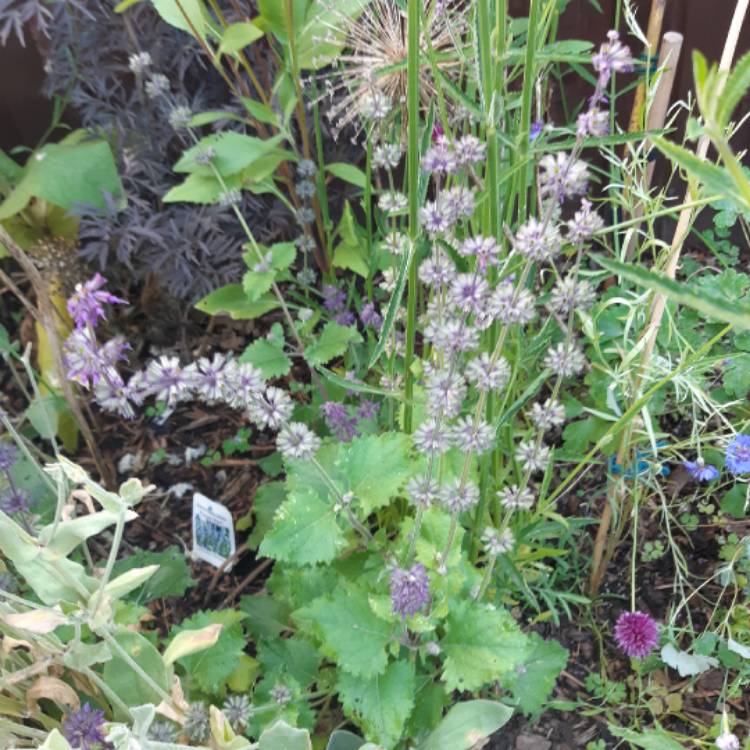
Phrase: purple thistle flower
(410,590)
(339,421)
(86,305)
(15,500)
(738,455)
(85,729)
(8,456)
(637,634)
(700,471)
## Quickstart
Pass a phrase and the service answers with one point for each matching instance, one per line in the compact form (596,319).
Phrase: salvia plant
(471,320)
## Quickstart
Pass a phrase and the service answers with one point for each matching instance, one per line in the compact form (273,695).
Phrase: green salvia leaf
(734,90)
(393,306)
(381,704)
(703,300)
(713,177)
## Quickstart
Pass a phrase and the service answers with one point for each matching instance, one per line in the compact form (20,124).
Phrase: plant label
(213,531)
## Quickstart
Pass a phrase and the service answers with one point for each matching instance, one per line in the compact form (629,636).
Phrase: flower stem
(413,191)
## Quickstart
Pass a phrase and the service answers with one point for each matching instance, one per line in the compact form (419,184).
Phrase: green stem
(368,219)
(413,191)
(529,77)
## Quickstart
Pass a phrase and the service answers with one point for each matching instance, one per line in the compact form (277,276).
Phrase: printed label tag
(213,531)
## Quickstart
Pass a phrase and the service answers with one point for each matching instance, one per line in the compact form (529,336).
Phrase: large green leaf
(231,300)
(375,467)
(172,579)
(305,531)
(380,704)
(466,724)
(332,342)
(52,578)
(125,681)
(211,667)
(273,15)
(703,300)
(481,644)
(350,631)
(232,153)
(66,174)
(268,356)
(532,683)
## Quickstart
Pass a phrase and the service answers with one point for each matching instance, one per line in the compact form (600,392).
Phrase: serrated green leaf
(231,300)
(294,656)
(350,631)
(533,682)
(256,283)
(702,300)
(267,617)
(381,704)
(481,645)
(376,467)
(333,341)
(211,667)
(736,376)
(268,498)
(268,357)
(305,531)
(200,188)
(172,578)
(734,90)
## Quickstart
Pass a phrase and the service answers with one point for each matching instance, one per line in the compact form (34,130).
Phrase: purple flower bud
(86,304)
(410,590)
(8,456)
(14,500)
(370,316)
(339,422)
(84,729)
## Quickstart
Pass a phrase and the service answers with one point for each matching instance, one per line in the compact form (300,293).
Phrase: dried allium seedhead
(198,722)
(369,79)
(237,710)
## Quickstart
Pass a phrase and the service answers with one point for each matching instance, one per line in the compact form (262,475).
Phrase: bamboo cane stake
(655,23)
(669,55)
(685,219)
